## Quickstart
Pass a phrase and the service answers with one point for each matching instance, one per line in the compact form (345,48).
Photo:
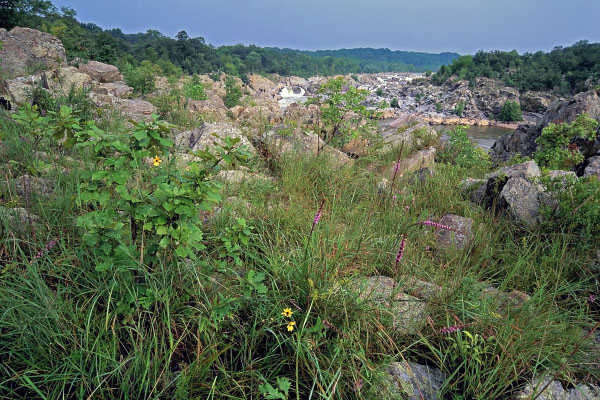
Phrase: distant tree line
(193,55)
(564,70)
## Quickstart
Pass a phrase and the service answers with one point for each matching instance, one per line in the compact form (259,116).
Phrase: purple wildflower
(400,253)
(437,225)
(592,298)
(46,249)
(318,215)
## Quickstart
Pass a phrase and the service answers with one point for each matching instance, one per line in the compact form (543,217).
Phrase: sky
(462,26)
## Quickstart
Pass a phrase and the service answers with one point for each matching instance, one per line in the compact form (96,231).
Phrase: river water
(483,136)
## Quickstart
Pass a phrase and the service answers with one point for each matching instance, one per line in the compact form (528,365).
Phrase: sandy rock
(24,49)
(101,72)
(526,170)
(506,300)
(117,89)
(135,109)
(242,175)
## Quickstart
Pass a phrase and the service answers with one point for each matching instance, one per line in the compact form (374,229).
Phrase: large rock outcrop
(101,72)
(280,142)
(522,140)
(203,138)
(25,50)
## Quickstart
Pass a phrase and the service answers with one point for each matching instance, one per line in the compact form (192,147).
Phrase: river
(484,136)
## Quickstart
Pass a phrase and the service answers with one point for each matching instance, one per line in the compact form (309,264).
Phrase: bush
(233,93)
(141,78)
(577,207)
(438,107)
(511,111)
(459,108)
(194,89)
(379,92)
(461,151)
(394,103)
(555,148)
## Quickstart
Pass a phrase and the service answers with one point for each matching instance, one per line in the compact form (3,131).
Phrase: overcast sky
(464,26)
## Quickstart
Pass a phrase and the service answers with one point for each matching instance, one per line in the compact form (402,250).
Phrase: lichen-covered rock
(461,234)
(136,109)
(18,217)
(25,49)
(522,201)
(407,313)
(416,381)
(27,185)
(101,72)
(555,391)
(507,301)
(239,176)
(407,135)
(593,167)
(203,138)
(117,89)
(422,159)
(526,170)
(279,142)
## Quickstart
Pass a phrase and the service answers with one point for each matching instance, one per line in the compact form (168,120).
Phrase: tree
(233,93)
(342,116)
(511,111)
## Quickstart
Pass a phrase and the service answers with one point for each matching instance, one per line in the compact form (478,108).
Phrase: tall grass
(215,333)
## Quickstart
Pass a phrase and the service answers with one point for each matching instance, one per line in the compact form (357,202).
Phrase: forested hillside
(564,70)
(193,55)
(373,60)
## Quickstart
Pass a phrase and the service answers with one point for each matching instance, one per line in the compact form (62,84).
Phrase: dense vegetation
(144,276)
(565,70)
(378,60)
(193,55)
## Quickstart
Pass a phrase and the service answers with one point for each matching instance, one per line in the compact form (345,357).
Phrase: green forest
(564,70)
(192,55)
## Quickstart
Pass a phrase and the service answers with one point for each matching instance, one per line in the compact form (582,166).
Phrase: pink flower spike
(400,253)
(318,215)
(437,225)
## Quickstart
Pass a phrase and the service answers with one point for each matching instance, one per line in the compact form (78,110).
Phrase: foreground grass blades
(217,326)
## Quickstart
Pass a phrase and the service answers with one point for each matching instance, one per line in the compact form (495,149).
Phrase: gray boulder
(407,313)
(555,391)
(203,138)
(593,167)
(27,185)
(522,201)
(459,237)
(416,381)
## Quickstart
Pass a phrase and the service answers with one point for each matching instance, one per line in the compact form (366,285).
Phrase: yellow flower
(287,312)
(156,161)
(291,326)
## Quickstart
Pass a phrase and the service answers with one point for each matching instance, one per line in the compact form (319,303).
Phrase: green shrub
(233,93)
(554,148)
(577,207)
(459,108)
(438,107)
(194,89)
(394,103)
(379,92)
(461,151)
(511,111)
(141,78)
